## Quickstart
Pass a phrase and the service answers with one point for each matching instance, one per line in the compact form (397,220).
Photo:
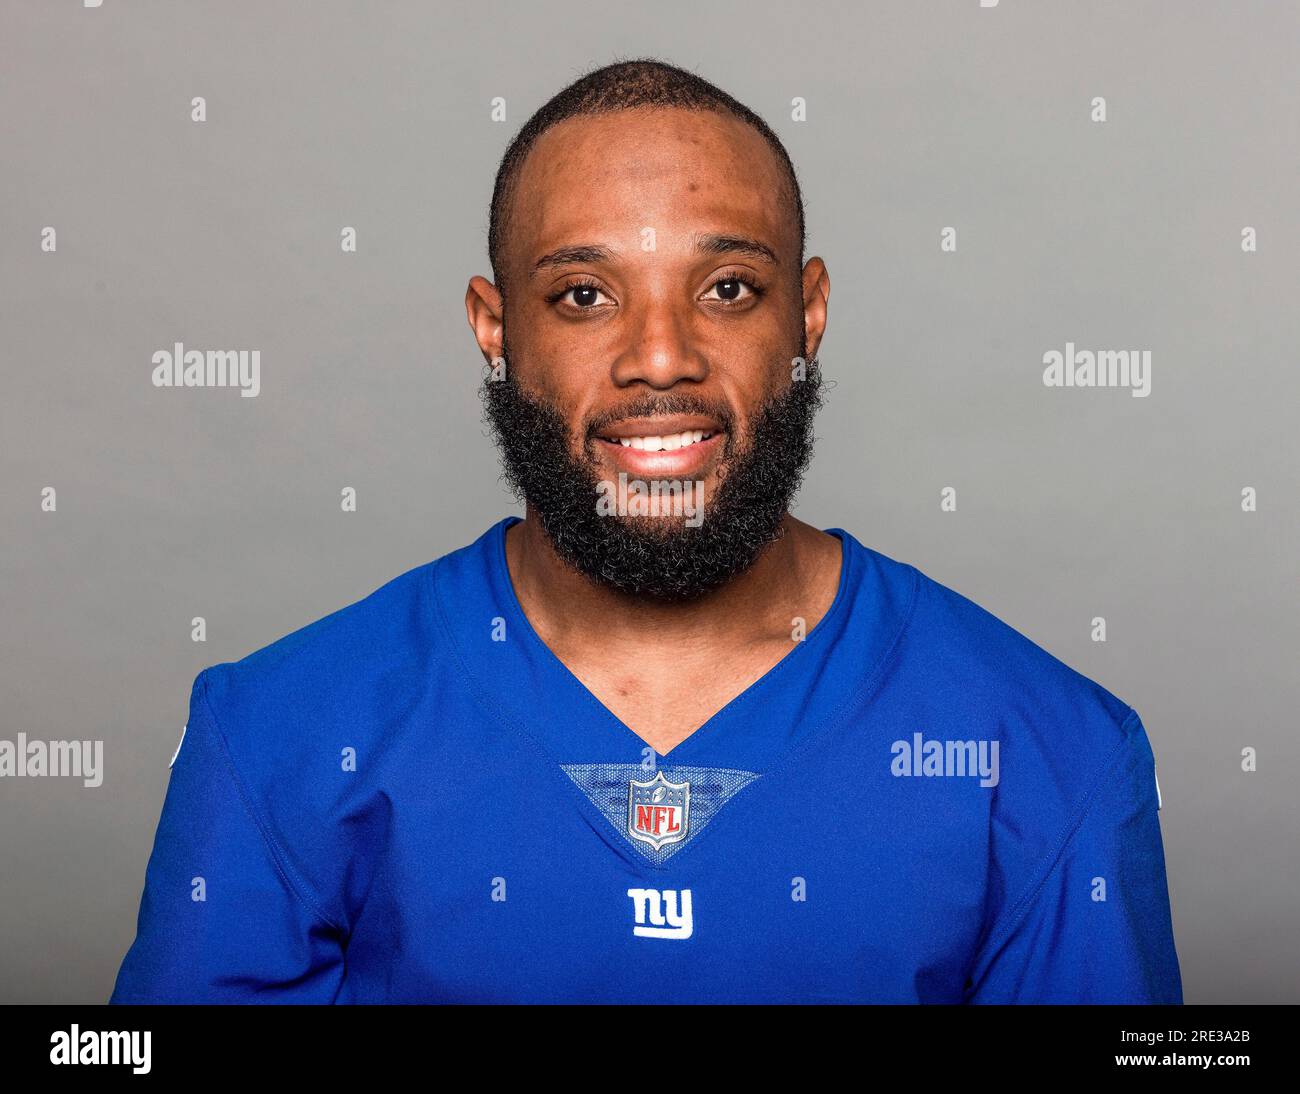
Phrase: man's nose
(661,350)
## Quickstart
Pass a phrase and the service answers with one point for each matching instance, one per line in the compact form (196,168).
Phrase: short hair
(625,85)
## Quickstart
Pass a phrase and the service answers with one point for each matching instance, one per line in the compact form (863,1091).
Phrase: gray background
(1072,503)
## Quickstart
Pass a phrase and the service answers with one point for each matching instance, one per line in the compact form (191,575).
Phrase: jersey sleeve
(223,918)
(1095,925)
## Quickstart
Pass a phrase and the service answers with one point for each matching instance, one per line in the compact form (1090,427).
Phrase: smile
(664,447)
(668,442)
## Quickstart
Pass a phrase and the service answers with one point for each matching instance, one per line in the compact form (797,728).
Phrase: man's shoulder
(345,662)
(989,645)
(1068,746)
(302,723)
(996,674)
(383,628)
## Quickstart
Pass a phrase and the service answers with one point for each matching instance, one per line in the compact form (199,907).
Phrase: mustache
(660,405)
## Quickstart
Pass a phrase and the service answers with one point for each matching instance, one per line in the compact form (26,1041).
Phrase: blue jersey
(413,800)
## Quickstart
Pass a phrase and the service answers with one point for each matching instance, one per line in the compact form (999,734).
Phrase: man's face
(656,315)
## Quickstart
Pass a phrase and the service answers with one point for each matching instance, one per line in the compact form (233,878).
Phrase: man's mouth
(669,442)
(666,447)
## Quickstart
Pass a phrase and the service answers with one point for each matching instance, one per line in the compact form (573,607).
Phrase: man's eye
(582,296)
(730,290)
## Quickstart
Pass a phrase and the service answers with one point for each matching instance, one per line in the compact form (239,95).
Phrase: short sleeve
(1095,925)
(222,918)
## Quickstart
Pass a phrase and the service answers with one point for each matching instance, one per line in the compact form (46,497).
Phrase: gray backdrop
(1072,503)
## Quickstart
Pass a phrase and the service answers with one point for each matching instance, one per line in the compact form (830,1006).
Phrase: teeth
(668,443)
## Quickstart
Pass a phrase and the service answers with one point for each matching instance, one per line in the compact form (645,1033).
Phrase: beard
(655,556)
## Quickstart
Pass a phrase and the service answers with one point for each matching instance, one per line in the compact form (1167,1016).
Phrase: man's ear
(485,310)
(816,295)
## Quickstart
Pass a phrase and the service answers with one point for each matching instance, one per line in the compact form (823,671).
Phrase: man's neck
(793,579)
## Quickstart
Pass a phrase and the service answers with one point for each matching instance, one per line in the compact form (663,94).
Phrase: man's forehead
(657,168)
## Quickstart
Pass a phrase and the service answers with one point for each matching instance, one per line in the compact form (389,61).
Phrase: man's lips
(662,427)
(667,447)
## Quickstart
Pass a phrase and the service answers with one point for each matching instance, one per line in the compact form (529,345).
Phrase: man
(659,741)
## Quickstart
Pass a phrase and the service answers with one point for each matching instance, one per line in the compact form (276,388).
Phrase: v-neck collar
(523,678)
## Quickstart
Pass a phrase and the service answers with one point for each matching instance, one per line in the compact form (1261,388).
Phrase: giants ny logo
(658,914)
(658,811)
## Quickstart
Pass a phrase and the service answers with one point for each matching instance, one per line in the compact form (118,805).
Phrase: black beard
(647,556)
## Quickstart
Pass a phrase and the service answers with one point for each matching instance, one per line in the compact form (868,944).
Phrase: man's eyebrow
(585,252)
(720,245)
(706,243)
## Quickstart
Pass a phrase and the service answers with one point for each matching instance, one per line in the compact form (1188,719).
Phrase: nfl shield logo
(658,811)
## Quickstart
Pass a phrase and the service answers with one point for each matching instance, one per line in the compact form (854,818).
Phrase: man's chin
(665,530)
(676,556)
(652,510)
